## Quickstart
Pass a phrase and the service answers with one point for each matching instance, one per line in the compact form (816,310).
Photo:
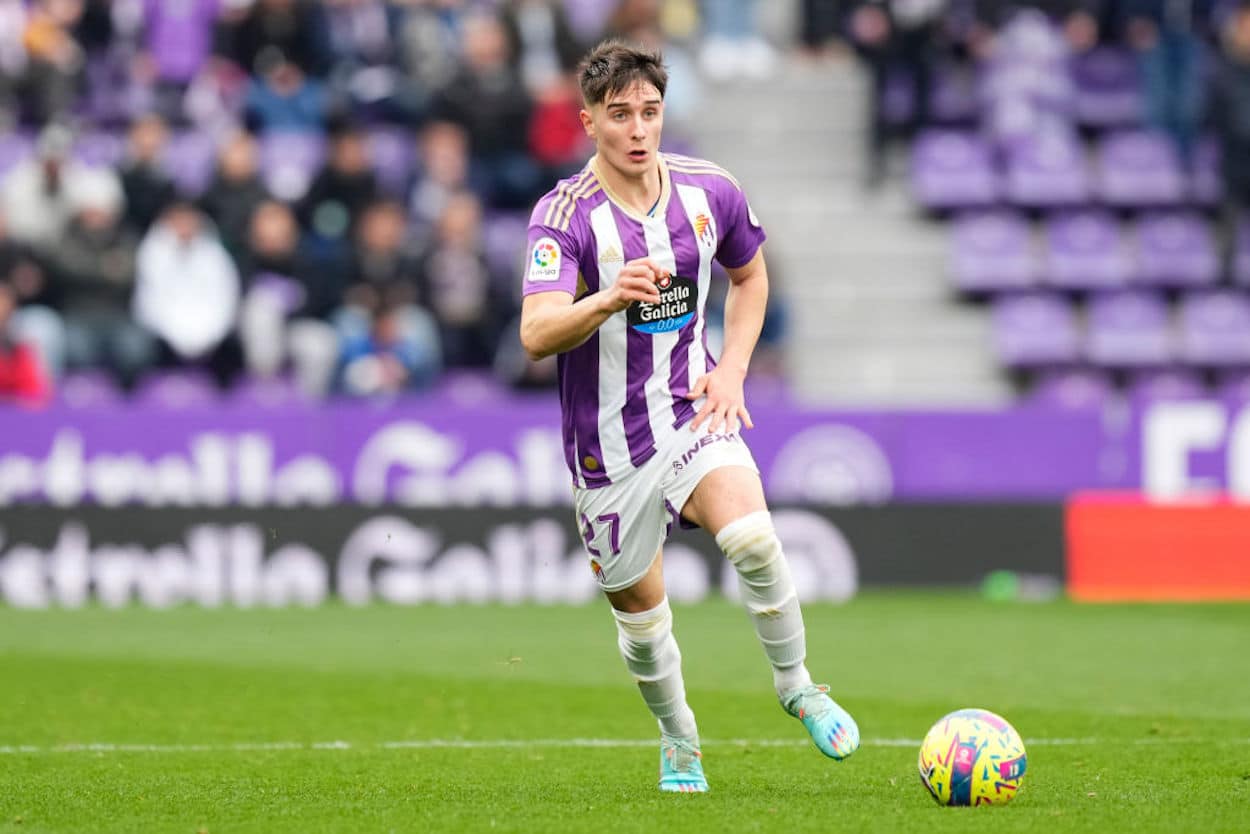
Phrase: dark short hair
(614,66)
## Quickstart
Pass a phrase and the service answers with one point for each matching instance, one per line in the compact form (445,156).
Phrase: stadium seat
(1214,328)
(259,392)
(952,170)
(1085,250)
(1206,184)
(1240,266)
(993,251)
(503,239)
(1129,329)
(1047,169)
(392,151)
(1139,168)
(1035,330)
(100,148)
(190,159)
(289,161)
(182,388)
(1075,388)
(87,389)
(1165,384)
(1107,89)
(1175,249)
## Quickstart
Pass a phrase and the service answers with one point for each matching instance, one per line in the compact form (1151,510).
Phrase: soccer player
(619,266)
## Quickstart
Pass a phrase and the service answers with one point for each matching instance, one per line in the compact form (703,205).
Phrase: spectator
(1170,37)
(489,101)
(177,40)
(22,379)
(55,61)
(281,97)
(38,194)
(93,268)
(366,71)
(338,194)
(1229,107)
(149,189)
(639,21)
(429,42)
(1080,20)
(385,277)
(236,191)
(187,292)
(541,42)
(732,46)
(34,321)
(444,153)
(288,299)
(253,32)
(456,282)
(12,60)
(895,36)
(384,361)
(557,139)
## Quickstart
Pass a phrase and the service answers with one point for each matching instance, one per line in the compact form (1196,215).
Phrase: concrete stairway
(872,322)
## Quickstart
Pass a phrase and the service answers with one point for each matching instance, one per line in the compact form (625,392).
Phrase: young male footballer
(620,260)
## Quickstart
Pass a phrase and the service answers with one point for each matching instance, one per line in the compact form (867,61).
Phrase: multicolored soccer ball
(972,757)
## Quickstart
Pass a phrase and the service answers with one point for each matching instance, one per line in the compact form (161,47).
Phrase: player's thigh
(644,594)
(622,528)
(724,495)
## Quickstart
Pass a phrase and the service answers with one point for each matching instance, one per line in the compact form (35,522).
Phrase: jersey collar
(666,189)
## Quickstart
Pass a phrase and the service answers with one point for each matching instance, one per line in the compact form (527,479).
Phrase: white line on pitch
(521,744)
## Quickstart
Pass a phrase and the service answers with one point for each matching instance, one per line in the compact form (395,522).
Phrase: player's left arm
(745,302)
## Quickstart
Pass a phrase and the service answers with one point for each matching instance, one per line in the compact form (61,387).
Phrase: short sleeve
(741,232)
(551,259)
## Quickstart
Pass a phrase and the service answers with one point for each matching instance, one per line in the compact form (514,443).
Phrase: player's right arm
(552,322)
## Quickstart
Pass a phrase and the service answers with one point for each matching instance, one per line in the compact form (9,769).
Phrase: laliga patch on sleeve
(545,260)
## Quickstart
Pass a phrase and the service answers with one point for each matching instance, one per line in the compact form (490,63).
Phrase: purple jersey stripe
(578,373)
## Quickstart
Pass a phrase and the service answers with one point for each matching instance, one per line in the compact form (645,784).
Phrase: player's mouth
(638,156)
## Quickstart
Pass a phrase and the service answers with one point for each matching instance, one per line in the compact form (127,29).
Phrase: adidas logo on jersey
(611,255)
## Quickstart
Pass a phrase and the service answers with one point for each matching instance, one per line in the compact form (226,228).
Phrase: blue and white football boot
(681,766)
(830,726)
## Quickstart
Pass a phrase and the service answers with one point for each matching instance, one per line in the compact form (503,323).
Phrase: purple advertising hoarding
(507,452)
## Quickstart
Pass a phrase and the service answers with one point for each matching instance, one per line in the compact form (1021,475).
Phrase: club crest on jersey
(679,298)
(703,230)
(545,260)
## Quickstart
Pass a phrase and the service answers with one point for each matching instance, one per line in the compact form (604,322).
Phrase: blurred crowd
(1194,58)
(333,194)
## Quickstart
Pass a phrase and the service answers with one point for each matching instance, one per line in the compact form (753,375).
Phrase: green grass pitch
(1136,719)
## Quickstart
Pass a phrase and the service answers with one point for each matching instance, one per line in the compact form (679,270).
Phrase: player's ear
(588,123)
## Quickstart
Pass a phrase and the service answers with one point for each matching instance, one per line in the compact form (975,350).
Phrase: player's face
(626,129)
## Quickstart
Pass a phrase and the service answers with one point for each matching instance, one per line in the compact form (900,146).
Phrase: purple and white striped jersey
(623,390)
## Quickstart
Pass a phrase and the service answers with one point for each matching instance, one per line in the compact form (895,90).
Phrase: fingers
(657,271)
(638,288)
(700,386)
(746,417)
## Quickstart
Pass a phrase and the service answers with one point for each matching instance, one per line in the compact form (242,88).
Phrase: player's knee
(646,641)
(750,543)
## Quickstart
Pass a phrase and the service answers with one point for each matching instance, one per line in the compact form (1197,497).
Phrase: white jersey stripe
(612,354)
(659,396)
(694,201)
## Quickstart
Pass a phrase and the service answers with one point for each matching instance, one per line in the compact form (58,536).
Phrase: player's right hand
(636,282)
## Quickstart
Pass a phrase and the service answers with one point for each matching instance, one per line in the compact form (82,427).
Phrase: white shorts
(623,525)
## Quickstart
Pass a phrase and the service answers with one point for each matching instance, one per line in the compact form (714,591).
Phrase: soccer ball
(972,757)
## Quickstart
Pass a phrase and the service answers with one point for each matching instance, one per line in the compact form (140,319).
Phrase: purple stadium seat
(1240,261)
(503,238)
(176,389)
(100,148)
(1206,184)
(589,17)
(1234,386)
(1165,384)
(1073,388)
(393,154)
(1107,88)
(289,161)
(257,392)
(993,251)
(14,147)
(952,170)
(190,159)
(1139,168)
(1047,170)
(1176,249)
(1086,250)
(1035,330)
(953,98)
(87,389)
(1130,329)
(1215,328)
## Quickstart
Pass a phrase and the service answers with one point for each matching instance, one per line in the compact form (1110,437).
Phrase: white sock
(646,642)
(752,547)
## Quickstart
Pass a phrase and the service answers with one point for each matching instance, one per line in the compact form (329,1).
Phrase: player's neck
(639,194)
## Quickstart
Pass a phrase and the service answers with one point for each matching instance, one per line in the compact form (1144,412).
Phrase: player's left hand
(725,405)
